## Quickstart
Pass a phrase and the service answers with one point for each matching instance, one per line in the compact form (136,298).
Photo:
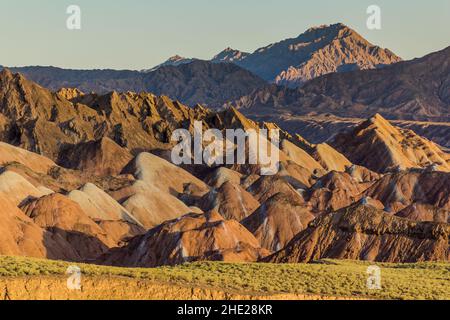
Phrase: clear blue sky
(138,34)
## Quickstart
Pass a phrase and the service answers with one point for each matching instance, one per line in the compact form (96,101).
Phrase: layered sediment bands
(362,232)
(100,192)
(117,288)
(193,237)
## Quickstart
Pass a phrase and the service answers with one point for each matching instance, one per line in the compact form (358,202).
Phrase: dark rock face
(190,238)
(277,221)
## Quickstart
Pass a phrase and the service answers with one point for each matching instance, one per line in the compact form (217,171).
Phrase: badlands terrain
(87,177)
(364,175)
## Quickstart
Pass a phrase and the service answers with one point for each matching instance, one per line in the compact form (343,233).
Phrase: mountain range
(412,90)
(291,62)
(316,52)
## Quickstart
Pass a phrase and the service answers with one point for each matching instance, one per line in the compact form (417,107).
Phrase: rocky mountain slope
(87,177)
(318,51)
(362,232)
(381,147)
(191,82)
(44,122)
(230,55)
(191,238)
(203,82)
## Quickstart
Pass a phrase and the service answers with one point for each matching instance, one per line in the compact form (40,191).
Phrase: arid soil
(116,288)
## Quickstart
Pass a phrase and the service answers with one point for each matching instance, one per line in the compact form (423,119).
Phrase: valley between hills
(86,179)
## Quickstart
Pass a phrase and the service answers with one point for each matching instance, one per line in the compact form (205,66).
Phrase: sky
(139,34)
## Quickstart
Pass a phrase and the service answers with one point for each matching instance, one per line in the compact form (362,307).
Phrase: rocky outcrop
(46,123)
(70,93)
(230,55)
(121,288)
(68,224)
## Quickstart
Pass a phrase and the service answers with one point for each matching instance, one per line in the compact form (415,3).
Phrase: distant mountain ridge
(412,90)
(227,55)
(230,55)
(316,52)
(381,147)
(193,82)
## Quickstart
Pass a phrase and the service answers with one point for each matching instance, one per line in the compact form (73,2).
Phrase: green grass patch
(326,277)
